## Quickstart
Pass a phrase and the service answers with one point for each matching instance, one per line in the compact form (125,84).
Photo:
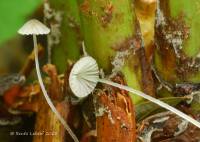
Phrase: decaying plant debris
(115,112)
(166,127)
(149,45)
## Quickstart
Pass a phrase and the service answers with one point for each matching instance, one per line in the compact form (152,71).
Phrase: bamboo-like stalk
(68,46)
(109,30)
(146,11)
(111,36)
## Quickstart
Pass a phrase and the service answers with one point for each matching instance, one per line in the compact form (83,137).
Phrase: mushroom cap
(84,76)
(33,27)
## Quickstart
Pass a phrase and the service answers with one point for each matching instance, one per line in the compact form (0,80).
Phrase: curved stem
(47,96)
(154,100)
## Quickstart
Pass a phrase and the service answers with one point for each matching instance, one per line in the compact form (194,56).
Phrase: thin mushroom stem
(84,51)
(156,101)
(47,96)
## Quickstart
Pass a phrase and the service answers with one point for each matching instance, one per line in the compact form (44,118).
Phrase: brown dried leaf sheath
(122,126)
(48,124)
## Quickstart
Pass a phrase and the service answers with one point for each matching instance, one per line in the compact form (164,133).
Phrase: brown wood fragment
(29,65)
(147,79)
(27,98)
(88,136)
(167,127)
(55,86)
(147,82)
(46,121)
(117,121)
(48,124)
(192,134)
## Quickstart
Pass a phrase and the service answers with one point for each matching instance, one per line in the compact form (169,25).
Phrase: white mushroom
(85,75)
(35,27)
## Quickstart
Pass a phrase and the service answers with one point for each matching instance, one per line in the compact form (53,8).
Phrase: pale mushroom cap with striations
(84,76)
(33,27)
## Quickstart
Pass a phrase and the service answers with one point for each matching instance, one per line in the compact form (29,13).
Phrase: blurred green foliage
(13,14)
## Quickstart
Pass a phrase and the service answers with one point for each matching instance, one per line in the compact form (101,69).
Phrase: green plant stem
(69,46)
(108,27)
(50,103)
